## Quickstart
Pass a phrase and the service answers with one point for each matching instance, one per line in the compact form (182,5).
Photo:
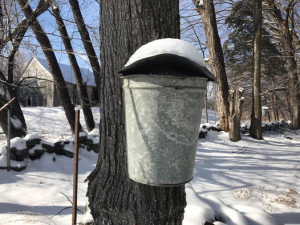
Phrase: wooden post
(8,139)
(75,171)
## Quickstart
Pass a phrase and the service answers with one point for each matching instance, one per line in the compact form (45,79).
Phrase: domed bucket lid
(168,56)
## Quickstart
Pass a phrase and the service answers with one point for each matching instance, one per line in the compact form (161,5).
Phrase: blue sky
(90,11)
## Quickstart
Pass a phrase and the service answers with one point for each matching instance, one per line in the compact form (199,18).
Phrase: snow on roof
(167,46)
(68,75)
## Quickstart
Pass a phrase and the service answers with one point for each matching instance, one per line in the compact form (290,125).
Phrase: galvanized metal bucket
(163,115)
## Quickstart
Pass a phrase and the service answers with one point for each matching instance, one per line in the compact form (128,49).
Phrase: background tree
(236,101)
(87,43)
(81,87)
(18,129)
(113,197)
(45,43)
(238,52)
(255,128)
(282,14)
(216,58)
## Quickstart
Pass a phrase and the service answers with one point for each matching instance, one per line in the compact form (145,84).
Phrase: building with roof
(38,89)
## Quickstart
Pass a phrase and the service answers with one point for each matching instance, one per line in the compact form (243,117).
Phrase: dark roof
(167,64)
(68,75)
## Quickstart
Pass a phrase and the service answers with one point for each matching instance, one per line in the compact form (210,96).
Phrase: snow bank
(196,210)
(3,150)
(18,143)
(13,163)
(95,131)
(167,46)
(32,136)
(87,217)
(201,209)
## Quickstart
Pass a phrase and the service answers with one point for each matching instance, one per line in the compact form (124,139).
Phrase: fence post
(8,139)
(75,171)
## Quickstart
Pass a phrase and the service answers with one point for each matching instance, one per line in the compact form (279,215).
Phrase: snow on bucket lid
(167,55)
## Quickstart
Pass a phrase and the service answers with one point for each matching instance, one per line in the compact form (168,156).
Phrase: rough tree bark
(114,198)
(286,34)
(53,64)
(18,126)
(255,128)
(216,59)
(236,101)
(87,43)
(83,95)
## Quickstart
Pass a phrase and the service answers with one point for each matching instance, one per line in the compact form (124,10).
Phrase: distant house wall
(40,90)
(37,88)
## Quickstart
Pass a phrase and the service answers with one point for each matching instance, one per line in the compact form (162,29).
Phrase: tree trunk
(294,91)
(236,104)
(1,23)
(83,95)
(274,103)
(216,59)
(274,107)
(87,43)
(278,107)
(205,104)
(18,126)
(15,105)
(286,34)
(255,128)
(114,198)
(53,64)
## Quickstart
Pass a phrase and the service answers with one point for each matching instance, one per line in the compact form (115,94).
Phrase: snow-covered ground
(232,181)
(263,174)
(50,123)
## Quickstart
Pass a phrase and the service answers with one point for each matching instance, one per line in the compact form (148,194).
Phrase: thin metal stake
(8,139)
(75,171)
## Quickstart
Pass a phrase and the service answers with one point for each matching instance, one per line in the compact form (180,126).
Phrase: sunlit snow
(248,182)
(167,46)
